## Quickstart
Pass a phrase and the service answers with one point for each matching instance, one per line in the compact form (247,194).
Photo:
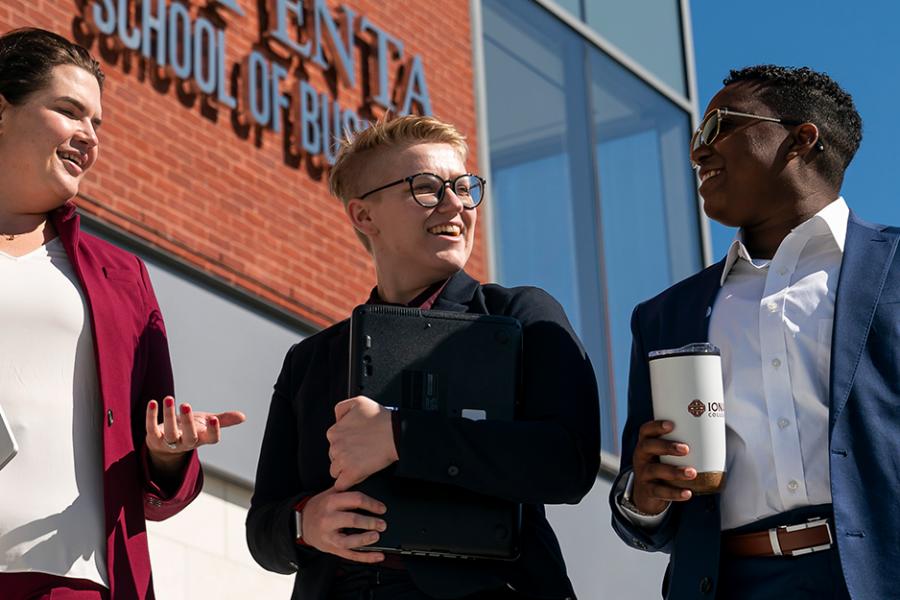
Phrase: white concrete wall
(201,552)
(600,565)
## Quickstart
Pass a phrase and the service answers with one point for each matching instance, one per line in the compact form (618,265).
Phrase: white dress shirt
(51,493)
(773,320)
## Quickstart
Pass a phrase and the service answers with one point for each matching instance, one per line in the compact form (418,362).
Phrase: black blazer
(550,455)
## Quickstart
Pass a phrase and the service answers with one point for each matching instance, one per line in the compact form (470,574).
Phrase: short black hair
(802,94)
(28,56)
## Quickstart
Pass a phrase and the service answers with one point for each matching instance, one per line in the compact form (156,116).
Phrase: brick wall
(190,176)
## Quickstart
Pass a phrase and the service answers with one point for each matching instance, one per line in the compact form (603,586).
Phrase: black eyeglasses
(712,124)
(427,189)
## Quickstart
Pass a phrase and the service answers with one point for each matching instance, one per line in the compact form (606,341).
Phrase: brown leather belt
(787,540)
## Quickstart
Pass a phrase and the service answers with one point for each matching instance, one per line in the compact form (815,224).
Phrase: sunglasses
(711,125)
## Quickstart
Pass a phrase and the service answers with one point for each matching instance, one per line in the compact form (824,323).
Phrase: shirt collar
(835,217)
(425,300)
(832,219)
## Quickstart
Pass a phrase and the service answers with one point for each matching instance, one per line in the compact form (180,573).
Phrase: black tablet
(462,366)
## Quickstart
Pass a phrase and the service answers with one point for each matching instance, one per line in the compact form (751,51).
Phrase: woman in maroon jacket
(83,354)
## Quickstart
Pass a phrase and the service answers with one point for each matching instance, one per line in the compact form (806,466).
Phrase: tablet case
(461,365)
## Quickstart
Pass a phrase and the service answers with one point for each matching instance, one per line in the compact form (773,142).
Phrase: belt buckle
(813,522)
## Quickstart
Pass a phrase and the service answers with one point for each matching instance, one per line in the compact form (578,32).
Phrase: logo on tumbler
(697,408)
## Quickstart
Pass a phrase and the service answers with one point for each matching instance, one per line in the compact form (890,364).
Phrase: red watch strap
(297,508)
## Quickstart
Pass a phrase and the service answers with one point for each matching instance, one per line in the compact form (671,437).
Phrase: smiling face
(418,245)
(48,142)
(742,172)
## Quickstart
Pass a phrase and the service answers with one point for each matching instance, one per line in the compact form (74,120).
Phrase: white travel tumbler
(686,386)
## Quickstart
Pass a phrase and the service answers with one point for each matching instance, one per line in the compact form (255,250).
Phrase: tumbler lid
(696,349)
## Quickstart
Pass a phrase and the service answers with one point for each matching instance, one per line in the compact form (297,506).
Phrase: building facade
(219,120)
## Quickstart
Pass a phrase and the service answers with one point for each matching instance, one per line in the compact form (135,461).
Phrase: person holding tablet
(414,205)
(84,363)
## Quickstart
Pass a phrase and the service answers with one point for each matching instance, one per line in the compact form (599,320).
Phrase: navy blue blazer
(864,422)
(551,453)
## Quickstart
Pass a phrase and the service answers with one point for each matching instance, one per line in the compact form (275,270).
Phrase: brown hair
(356,148)
(28,56)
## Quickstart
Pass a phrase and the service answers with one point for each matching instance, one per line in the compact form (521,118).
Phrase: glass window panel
(543,196)
(573,6)
(649,31)
(538,246)
(650,222)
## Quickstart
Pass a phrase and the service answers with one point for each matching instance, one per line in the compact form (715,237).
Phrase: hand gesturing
(181,433)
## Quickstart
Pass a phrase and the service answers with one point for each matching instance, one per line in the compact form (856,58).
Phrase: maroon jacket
(132,367)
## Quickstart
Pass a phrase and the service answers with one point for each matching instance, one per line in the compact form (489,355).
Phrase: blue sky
(855,43)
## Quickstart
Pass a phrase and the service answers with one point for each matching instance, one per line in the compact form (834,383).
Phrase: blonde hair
(382,135)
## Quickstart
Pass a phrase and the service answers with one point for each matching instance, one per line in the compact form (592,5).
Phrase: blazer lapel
(103,328)
(458,293)
(339,363)
(694,308)
(702,308)
(868,254)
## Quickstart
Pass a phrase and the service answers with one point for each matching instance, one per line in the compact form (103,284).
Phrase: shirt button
(782,271)
(109,417)
(772,306)
(452,470)
(783,423)
(793,485)
(776,363)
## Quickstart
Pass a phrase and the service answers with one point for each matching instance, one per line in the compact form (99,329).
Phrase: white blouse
(51,494)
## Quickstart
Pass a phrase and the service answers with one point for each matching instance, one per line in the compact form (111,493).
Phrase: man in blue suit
(805,308)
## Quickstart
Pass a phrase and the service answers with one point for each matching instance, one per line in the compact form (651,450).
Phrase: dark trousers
(815,576)
(41,586)
(378,583)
